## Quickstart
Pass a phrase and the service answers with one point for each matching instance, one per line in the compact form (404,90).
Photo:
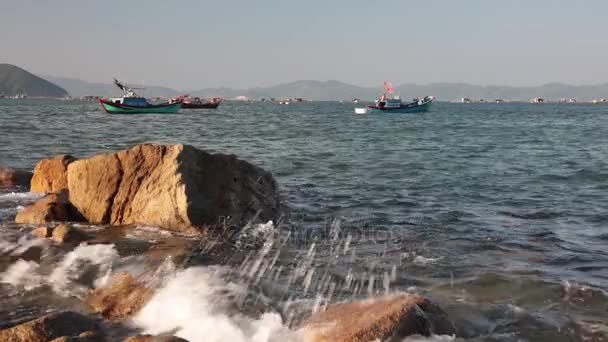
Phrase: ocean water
(498,212)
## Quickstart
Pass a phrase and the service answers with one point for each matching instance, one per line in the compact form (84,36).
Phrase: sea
(498,212)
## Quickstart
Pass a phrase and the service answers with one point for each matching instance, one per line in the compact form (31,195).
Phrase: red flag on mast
(388,87)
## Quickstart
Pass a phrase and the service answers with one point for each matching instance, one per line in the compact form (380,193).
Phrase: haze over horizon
(242,44)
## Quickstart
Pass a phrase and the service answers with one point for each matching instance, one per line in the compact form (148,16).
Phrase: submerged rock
(176,187)
(386,319)
(64,233)
(10,178)
(54,207)
(49,327)
(123,297)
(87,336)
(50,175)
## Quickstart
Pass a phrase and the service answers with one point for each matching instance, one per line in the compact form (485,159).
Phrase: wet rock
(43,232)
(33,253)
(87,336)
(50,175)
(64,233)
(125,296)
(11,178)
(49,327)
(389,318)
(176,187)
(150,338)
(54,207)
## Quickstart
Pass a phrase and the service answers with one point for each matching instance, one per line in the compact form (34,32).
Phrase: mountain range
(16,81)
(336,90)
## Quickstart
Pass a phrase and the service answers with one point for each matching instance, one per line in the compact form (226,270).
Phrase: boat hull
(209,105)
(116,108)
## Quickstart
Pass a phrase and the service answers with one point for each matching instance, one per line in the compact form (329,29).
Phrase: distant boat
(499,101)
(284,102)
(537,100)
(356,100)
(196,102)
(465,100)
(131,103)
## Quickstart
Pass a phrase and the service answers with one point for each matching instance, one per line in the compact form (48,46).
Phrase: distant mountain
(307,89)
(79,88)
(14,81)
(336,90)
(551,91)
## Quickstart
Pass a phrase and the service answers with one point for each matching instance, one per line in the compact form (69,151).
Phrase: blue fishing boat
(132,103)
(395,105)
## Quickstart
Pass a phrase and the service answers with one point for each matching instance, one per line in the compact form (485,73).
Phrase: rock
(176,187)
(43,232)
(50,175)
(67,234)
(150,338)
(49,327)
(87,336)
(387,318)
(54,207)
(11,178)
(32,253)
(125,296)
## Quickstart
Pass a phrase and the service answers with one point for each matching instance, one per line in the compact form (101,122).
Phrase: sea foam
(197,304)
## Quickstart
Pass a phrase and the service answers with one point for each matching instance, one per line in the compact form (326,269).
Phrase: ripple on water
(491,189)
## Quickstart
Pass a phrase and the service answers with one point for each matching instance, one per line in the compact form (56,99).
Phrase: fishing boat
(196,102)
(131,103)
(395,105)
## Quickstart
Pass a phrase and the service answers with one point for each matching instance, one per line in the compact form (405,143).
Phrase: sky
(190,44)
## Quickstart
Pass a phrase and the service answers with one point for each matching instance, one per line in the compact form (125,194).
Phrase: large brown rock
(387,318)
(49,327)
(176,187)
(11,178)
(54,207)
(124,297)
(50,175)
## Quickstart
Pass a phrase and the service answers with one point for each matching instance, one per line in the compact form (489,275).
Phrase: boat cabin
(131,101)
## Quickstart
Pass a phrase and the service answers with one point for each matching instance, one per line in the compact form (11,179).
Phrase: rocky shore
(199,203)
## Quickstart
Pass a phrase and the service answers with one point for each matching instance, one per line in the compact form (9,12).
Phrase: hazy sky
(192,44)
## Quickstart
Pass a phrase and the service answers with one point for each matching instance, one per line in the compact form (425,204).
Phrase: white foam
(23,274)
(433,338)
(422,261)
(196,302)
(25,242)
(85,267)
(21,196)
(252,233)
(93,261)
